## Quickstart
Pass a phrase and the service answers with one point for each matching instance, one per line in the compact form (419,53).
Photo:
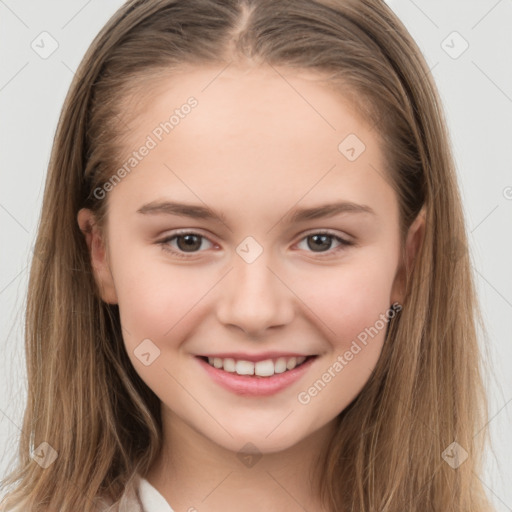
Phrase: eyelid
(344,236)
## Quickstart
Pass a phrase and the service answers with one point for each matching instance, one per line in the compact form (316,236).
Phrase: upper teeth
(265,368)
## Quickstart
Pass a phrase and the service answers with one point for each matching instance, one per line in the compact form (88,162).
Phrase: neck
(194,473)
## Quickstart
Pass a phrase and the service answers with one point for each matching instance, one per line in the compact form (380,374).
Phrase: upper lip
(255,357)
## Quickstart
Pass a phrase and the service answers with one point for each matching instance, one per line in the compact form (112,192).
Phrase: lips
(255,378)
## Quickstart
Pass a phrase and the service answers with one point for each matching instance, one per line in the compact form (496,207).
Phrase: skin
(254,149)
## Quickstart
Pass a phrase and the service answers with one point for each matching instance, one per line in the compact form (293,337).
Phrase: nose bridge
(254,298)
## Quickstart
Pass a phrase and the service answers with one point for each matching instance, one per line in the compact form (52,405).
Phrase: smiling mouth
(266,368)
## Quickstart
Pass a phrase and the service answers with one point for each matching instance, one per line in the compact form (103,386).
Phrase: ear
(98,254)
(414,240)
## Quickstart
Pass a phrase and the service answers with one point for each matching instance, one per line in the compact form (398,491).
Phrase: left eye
(323,242)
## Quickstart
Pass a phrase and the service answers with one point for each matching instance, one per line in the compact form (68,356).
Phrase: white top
(151,499)
(138,496)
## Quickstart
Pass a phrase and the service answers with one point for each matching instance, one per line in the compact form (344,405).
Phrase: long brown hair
(84,397)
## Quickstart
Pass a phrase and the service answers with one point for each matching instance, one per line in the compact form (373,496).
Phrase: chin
(260,441)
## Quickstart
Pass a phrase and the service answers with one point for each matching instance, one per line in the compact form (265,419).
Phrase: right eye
(186,242)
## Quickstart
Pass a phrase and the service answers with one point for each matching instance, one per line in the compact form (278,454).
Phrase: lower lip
(251,385)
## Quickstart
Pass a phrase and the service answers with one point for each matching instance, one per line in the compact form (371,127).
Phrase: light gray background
(476,88)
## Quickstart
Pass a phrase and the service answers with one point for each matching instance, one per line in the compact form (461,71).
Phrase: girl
(253,289)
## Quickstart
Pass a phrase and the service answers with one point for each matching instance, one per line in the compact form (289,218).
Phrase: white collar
(151,499)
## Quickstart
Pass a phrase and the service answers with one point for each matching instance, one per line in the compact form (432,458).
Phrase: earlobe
(98,255)
(414,240)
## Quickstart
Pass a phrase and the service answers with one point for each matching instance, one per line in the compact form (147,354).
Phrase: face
(226,261)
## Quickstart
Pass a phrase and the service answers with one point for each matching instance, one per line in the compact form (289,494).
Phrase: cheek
(353,304)
(160,303)
(156,299)
(349,298)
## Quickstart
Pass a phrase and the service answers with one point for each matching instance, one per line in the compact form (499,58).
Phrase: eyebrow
(181,209)
(294,216)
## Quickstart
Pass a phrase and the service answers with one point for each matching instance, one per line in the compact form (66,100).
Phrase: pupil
(323,239)
(192,242)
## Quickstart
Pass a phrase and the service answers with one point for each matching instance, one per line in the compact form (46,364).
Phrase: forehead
(255,131)
(263,101)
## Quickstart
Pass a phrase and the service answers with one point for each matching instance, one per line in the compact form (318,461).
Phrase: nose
(254,297)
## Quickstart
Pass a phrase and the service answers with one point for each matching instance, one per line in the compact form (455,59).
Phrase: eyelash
(166,247)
